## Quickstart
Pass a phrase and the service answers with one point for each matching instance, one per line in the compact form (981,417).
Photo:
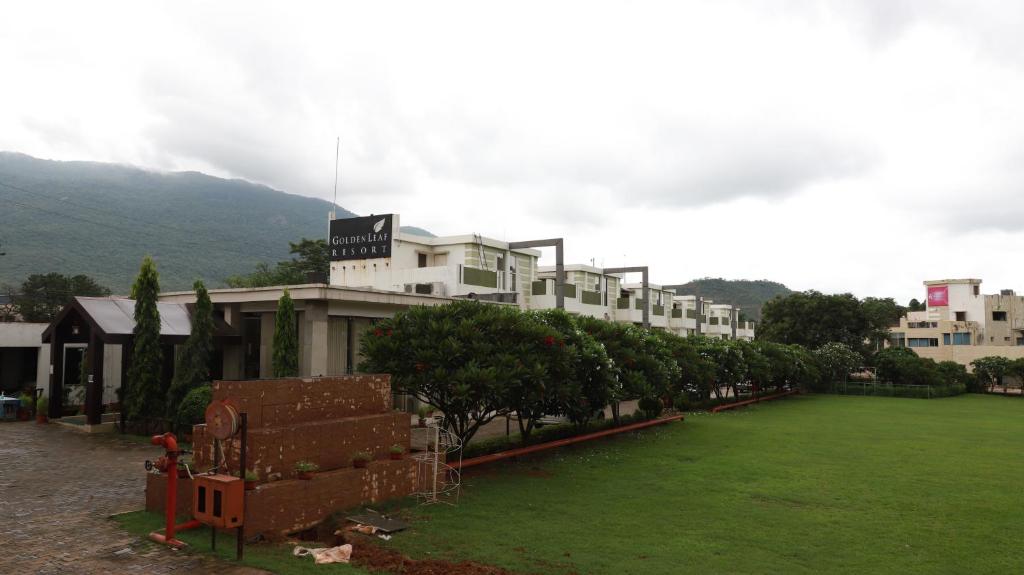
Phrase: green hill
(101,219)
(749,295)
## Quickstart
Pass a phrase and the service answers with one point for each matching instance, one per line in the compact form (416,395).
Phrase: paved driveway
(58,488)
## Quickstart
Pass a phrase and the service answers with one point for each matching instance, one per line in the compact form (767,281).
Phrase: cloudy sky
(839,146)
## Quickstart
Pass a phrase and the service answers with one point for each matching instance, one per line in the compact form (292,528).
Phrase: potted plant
(42,407)
(360,459)
(306,469)
(251,477)
(396,452)
(24,412)
(424,411)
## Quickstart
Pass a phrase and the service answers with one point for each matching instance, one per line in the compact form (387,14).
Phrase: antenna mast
(337,150)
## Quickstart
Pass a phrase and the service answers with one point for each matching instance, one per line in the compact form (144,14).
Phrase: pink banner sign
(938,296)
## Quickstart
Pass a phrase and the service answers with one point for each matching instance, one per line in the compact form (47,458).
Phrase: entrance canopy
(98,321)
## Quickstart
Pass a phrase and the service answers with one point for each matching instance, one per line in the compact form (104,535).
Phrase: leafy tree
(192,366)
(695,372)
(990,370)
(42,296)
(312,259)
(812,319)
(286,340)
(146,394)
(836,361)
(881,313)
(915,305)
(588,386)
(901,366)
(727,357)
(758,366)
(954,373)
(471,360)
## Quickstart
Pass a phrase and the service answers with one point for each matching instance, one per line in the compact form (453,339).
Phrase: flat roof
(472,239)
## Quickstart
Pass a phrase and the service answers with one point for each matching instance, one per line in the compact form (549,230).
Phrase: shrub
(306,466)
(193,409)
(43,405)
(650,407)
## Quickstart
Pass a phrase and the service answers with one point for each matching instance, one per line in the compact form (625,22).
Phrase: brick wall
(321,420)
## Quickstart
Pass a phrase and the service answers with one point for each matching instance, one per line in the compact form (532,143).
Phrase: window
(961,316)
(923,342)
(898,339)
(999,316)
(945,339)
(976,290)
(961,339)
(421,260)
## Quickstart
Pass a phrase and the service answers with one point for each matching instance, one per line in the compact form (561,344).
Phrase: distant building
(962,324)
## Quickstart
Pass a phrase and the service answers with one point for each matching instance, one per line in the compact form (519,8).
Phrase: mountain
(749,295)
(101,219)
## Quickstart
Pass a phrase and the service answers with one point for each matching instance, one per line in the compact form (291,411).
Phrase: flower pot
(360,463)
(305,475)
(396,456)
(41,418)
(250,485)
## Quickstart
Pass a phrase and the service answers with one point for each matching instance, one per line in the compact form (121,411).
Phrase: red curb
(750,401)
(561,442)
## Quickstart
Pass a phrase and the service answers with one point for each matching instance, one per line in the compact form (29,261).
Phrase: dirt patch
(373,557)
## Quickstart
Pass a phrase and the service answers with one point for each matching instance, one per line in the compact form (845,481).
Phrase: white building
(588,291)
(455,266)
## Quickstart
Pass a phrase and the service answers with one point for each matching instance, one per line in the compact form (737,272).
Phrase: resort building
(457,266)
(961,324)
(588,291)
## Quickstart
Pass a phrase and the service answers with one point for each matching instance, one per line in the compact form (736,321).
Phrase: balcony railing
(591,297)
(479,277)
(659,310)
(677,313)
(540,287)
(622,303)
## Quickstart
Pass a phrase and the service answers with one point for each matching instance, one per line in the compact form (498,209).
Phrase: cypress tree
(286,341)
(192,366)
(146,395)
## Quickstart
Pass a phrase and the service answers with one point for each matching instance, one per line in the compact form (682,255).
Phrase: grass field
(814,484)
(804,485)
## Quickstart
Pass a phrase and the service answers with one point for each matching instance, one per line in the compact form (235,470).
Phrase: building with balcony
(455,266)
(588,291)
(962,324)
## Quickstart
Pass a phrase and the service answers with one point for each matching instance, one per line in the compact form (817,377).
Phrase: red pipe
(561,442)
(170,444)
(727,406)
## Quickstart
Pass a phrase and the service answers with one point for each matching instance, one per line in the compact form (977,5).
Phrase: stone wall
(321,420)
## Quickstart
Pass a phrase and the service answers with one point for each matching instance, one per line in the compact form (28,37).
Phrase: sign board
(361,238)
(938,296)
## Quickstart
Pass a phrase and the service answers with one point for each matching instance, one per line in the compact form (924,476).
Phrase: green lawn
(803,485)
(815,484)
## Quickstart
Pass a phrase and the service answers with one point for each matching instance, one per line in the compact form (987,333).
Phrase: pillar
(313,352)
(94,388)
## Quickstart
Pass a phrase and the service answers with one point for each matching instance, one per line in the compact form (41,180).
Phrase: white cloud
(834,145)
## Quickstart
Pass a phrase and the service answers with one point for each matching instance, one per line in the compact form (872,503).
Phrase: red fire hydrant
(169,464)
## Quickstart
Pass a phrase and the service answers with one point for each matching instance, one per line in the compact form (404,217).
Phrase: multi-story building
(587,291)
(962,324)
(455,266)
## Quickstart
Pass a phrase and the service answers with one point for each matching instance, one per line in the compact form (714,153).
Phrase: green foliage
(43,405)
(146,395)
(915,305)
(308,466)
(42,296)
(192,409)
(650,407)
(473,361)
(586,387)
(286,340)
(837,361)
(192,366)
(747,294)
(901,366)
(312,261)
(813,319)
(991,369)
